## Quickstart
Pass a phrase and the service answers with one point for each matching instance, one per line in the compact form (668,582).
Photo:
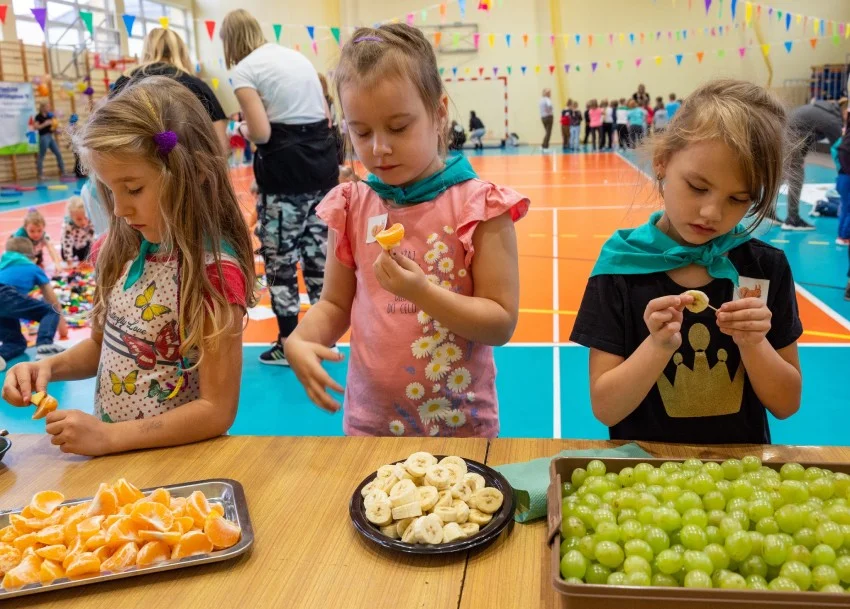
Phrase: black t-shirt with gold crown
(704,395)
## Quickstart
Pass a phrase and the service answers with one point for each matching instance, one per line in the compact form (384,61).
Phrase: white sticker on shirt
(752,288)
(376,225)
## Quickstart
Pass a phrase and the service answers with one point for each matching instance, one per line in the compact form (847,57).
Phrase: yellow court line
(826,334)
(779,241)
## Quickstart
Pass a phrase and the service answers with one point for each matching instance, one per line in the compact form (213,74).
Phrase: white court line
(841,320)
(556,333)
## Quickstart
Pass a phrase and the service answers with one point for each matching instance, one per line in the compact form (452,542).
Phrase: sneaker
(796,224)
(847,292)
(44,351)
(2,364)
(840,241)
(274,356)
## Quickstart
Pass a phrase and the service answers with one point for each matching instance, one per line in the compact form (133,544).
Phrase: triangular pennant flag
(537,69)
(593,66)
(742,51)
(297,47)
(552,39)
(509,69)
(551,69)
(638,61)
(578,67)
(454,70)
(700,55)
(491,40)
(455,39)
(481,71)
(278,28)
(462,6)
(315,46)
(642,37)
(800,19)
(538,38)
(657,35)
(335,34)
(765,49)
(198,68)
(424,14)
(210,28)
(40,15)
(578,39)
(411,19)
(836,39)
(632,38)
(88,20)
(525,40)
(221,61)
(442,13)
(734,8)
(685,34)
(476,39)
(707,6)
(508,40)
(721,53)
(523,68)
(813,42)
(787,21)
(495,71)
(590,40)
(821,27)
(566,68)
(442,70)
(678,35)
(215,84)
(815,26)
(721,30)
(610,38)
(622,37)
(163,21)
(3,9)
(789,45)
(311,31)
(620,63)
(679,59)
(658,60)
(748,12)
(466,70)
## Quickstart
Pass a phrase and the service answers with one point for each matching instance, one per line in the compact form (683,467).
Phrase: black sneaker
(847,292)
(44,351)
(274,356)
(796,224)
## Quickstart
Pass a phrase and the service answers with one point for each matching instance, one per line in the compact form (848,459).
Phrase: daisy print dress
(409,375)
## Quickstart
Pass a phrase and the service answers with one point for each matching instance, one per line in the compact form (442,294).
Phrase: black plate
(5,444)
(488,532)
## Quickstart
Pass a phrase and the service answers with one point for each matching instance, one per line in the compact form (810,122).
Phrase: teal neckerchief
(456,170)
(14,259)
(646,249)
(138,266)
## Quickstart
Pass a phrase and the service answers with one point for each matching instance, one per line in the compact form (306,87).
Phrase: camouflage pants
(290,231)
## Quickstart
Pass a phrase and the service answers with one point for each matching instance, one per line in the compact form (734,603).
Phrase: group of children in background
(604,119)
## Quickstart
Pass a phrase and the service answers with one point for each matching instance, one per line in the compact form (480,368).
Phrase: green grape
(574,581)
(573,564)
(638,578)
(692,465)
(739,545)
(806,537)
(789,518)
(783,584)
(646,515)
(573,527)
(742,489)
(823,554)
(587,546)
(578,476)
(732,469)
(759,508)
(775,550)
(751,463)
(798,573)
(618,578)
(667,519)
(657,539)
(842,484)
(567,489)
(754,565)
(625,499)
(832,589)
(642,471)
(733,582)
(736,504)
(729,525)
(813,473)
(656,490)
(830,534)
(842,568)
(607,531)
(838,513)
(669,561)
(767,526)
(656,476)
(647,499)
(638,547)
(585,514)
(671,493)
(693,537)
(714,500)
(669,467)
(758,542)
(688,500)
(591,500)
(626,515)
(823,575)
(741,517)
(660,580)
(792,471)
(756,582)
(677,479)
(609,554)
(714,470)
(814,519)
(698,560)
(627,476)
(701,483)
(715,517)
(630,530)
(843,550)
(675,539)
(718,555)
(570,543)
(822,488)
(697,579)
(597,574)
(603,515)
(598,486)
(725,488)
(608,498)
(719,575)
(794,491)
(639,487)
(613,479)
(695,516)
(714,536)
(636,564)
(596,468)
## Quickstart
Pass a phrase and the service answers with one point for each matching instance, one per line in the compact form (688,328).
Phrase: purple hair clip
(165,142)
(367,39)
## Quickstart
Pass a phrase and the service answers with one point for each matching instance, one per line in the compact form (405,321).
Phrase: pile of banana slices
(429,502)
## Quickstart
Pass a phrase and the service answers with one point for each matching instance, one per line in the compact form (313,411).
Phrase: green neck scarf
(138,266)
(14,259)
(646,249)
(456,170)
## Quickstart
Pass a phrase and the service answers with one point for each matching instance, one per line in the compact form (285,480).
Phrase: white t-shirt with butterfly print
(140,363)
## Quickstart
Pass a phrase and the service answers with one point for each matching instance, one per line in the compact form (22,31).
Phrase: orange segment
(198,508)
(51,535)
(56,553)
(27,512)
(27,572)
(192,543)
(184,524)
(110,520)
(178,506)
(153,516)
(43,503)
(75,513)
(122,531)
(36,524)
(88,527)
(123,558)
(152,553)
(222,532)
(95,541)
(20,523)
(8,534)
(126,492)
(217,508)
(172,538)
(73,551)
(104,503)
(50,571)
(10,556)
(390,237)
(25,541)
(103,552)
(48,404)
(84,563)
(162,496)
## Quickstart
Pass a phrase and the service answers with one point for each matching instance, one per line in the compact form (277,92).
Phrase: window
(148,14)
(65,29)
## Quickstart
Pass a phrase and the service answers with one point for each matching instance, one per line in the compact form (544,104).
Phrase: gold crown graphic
(702,391)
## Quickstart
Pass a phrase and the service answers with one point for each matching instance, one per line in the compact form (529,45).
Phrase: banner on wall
(17,108)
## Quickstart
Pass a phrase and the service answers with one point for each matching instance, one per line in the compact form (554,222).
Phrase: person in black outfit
(586,124)
(476,130)
(45,126)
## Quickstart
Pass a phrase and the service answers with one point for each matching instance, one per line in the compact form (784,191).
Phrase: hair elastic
(368,39)
(165,142)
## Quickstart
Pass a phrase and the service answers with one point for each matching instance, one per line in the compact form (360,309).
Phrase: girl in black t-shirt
(662,366)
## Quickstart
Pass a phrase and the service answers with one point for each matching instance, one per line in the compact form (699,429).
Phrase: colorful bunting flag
(311,31)
(765,49)
(632,38)
(525,40)
(620,63)
(437,37)
(315,46)
(455,39)
(508,40)
(476,39)
(611,39)
(700,55)
(551,69)
(566,68)
(278,28)
(578,39)
(210,28)
(813,42)
(787,21)
(593,66)
(748,12)
(523,68)
(495,71)
(40,15)
(658,60)
(721,53)
(335,34)
(679,59)
(590,40)
(537,69)
(638,61)
(462,6)
(481,71)
(88,20)
(442,13)
(215,84)
(788,46)
(3,9)
(552,39)
(641,37)
(163,21)
(836,39)
(424,14)
(411,19)
(742,51)
(509,69)
(454,71)
(707,6)
(491,40)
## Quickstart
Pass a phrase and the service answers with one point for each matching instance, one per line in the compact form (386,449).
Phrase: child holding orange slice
(425,261)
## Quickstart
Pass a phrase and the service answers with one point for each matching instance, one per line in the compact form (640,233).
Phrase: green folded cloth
(530,479)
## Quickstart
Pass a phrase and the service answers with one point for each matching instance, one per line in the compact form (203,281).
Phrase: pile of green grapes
(735,525)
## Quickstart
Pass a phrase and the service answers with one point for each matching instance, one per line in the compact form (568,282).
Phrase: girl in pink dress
(424,316)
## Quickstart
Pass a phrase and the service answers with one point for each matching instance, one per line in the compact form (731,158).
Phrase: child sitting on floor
(33,229)
(77,232)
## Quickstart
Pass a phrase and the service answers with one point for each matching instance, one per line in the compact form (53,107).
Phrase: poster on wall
(17,109)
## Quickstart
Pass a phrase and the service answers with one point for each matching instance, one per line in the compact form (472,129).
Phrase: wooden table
(306,552)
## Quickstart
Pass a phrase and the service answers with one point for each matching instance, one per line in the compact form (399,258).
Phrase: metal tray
(488,532)
(595,596)
(5,443)
(223,490)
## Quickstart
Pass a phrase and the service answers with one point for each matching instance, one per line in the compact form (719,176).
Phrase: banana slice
(700,303)
(452,532)
(455,460)
(488,500)
(376,484)
(446,514)
(375,495)
(438,476)
(462,510)
(417,463)
(380,513)
(478,517)
(476,481)
(470,528)
(401,473)
(44,404)
(403,525)
(390,531)
(456,473)
(445,499)
(386,484)
(409,535)
(403,492)
(385,471)
(428,497)
(462,490)
(409,510)
(35,398)
(429,529)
